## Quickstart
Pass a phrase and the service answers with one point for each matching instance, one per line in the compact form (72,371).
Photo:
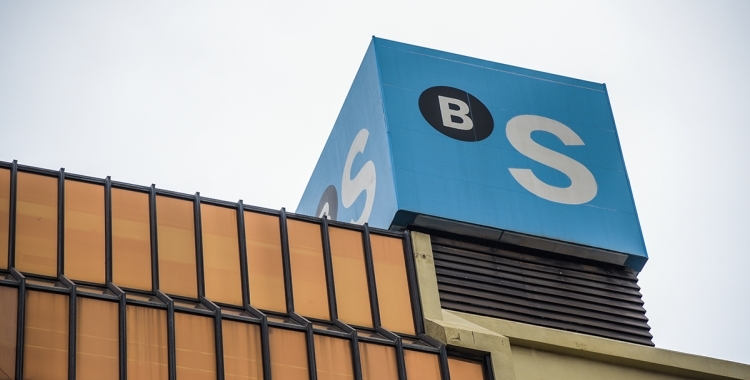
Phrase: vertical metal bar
(371,285)
(244,275)
(411,276)
(487,368)
(328,261)
(72,325)
(12,221)
(444,372)
(123,335)
(199,245)
(61,222)
(154,245)
(219,335)
(400,363)
(356,362)
(108,229)
(286,260)
(312,367)
(20,323)
(265,348)
(171,351)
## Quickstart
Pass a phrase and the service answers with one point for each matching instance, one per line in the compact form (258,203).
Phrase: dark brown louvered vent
(522,285)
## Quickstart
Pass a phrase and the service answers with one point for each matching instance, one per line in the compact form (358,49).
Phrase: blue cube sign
(443,141)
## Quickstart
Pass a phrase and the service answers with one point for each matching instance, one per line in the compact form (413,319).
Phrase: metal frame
(21,321)
(370,270)
(72,325)
(61,222)
(198,246)
(482,358)
(154,237)
(12,212)
(108,230)
(286,261)
(328,262)
(170,303)
(171,351)
(244,275)
(122,328)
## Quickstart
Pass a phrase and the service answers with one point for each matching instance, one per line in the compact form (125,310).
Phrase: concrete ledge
(610,351)
(457,332)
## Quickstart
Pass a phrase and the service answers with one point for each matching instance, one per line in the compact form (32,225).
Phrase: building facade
(106,280)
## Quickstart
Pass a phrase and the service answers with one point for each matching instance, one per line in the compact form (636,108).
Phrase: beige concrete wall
(531,364)
(527,352)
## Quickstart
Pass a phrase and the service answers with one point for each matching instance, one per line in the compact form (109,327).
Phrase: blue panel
(448,132)
(362,110)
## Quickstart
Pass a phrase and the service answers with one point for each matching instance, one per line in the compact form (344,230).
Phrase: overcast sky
(236,101)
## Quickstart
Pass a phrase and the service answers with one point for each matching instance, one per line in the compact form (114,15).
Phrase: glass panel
(195,346)
(221,254)
(97,343)
(8,325)
(333,358)
(350,277)
(84,231)
(242,351)
(308,269)
(288,354)
(4,216)
(46,336)
(392,284)
(461,369)
(264,266)
(176,237)
(147,343)
(131,240)
(421,365)
(36,224)
(378,362)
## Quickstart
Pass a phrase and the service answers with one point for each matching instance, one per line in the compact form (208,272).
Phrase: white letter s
(582,183)
(363,181)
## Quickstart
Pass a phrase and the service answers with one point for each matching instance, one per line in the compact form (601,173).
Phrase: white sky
(236,101)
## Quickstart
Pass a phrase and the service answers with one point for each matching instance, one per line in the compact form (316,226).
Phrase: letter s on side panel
(363,181)
(583,186)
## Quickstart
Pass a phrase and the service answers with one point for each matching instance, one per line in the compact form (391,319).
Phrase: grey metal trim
(515,238)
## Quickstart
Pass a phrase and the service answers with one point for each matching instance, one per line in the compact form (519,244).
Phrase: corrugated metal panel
(515,283)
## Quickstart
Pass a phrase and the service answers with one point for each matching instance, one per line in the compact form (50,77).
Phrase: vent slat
(522,265)
(557,277)
(561,285)
(541,288)
(547,310)
(519,253)
(614,310)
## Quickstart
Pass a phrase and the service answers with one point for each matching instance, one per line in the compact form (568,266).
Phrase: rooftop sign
(455,143)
